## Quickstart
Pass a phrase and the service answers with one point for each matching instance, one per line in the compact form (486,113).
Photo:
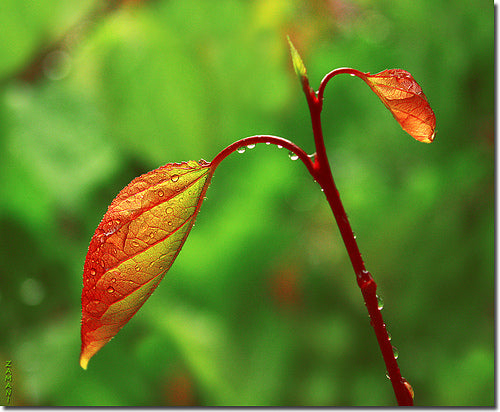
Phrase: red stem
(278,141)
(323,176)
(321,172)
(333,73)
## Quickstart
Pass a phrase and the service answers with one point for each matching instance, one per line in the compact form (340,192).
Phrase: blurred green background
(261,306)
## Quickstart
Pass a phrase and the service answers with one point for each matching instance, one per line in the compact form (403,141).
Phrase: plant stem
(332,74)
(320,170)
(323,175)
(278,141)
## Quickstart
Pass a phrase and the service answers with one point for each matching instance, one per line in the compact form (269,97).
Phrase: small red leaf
(135,244)
(402,95)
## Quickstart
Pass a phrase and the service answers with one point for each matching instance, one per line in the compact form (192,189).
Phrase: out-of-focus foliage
(261,306)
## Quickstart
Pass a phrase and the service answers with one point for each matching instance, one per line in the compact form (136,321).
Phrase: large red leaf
(402,95)
(134,246)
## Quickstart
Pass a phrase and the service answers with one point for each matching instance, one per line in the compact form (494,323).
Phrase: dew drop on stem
(250,146)
(380,302)
(293,156)
(395,352)
(409,388)
(241,149)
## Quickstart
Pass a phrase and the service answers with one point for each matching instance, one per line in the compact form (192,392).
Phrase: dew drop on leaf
(111,289)
(280,147)
(293,156)
(160,193)
(250,146)
(241,149)
(169,210)
(174,178)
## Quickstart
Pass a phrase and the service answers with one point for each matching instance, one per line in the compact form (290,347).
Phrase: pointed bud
(298,64)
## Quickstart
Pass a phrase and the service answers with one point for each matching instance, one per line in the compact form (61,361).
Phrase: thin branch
(278,141)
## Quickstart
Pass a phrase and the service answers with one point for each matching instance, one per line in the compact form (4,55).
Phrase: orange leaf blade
(403,96)
(135,244)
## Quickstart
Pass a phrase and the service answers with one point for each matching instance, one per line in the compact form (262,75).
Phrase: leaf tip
(84,362)
(428,139)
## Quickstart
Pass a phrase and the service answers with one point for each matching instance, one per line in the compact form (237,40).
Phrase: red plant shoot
(147,224)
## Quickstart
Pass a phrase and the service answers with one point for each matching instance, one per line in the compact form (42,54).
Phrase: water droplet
(352,75)
(113,280)
(250,146)
(380,303)
(169,223)
(135,243)
(160,193)
(387,375)
(169,210)
(395,352)
(241,149)
(389,336)
(293,156)
(409,387)
(174,178)
(268,143)
(92,272)
(280,147)
(111,289)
